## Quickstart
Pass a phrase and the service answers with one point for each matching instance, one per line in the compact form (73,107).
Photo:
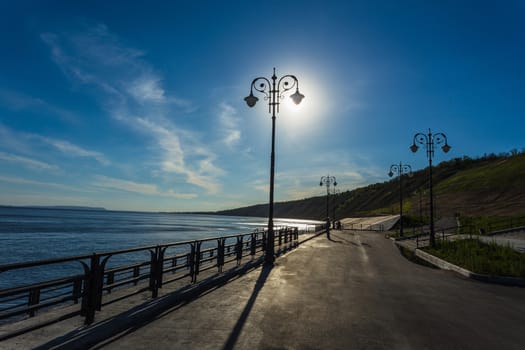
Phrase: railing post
(191,262)
(280,236)
(238,250)
(253,244)
(91,290)
(220,253)
(77,290)
(196,261)
(110,279)
(160,266)
(264,236)
(153,272)
(156,270)
(34,299)
(136,273)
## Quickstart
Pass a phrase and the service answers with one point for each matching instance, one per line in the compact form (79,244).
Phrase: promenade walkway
(354,291)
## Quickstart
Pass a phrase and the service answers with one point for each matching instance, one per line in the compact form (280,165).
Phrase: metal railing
(365,227)
(443,234)
(97,275)
(494,226)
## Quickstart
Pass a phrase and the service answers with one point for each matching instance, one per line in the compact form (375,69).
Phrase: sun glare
(298,118)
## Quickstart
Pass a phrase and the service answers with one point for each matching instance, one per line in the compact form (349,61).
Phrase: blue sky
(134,105)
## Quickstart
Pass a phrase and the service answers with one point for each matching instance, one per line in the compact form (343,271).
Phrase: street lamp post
(429,140)
(335,193)
(273,92)
(327,181)
(400,169)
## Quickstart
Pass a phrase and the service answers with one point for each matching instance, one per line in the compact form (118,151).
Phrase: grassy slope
(494,185)
(491,188)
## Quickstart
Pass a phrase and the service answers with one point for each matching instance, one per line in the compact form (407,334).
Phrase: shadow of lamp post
(400,169)
(273,92)
(429,141)
(327,181)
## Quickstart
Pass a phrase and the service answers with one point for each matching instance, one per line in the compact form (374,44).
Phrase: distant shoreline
(62,207)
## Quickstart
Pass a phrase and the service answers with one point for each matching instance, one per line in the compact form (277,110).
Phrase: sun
(299,118)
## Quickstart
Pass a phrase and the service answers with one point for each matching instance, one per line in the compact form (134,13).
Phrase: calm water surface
(29,234)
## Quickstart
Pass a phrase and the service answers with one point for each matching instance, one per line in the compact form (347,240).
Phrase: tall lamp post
(400,169)
(327,181)
(273,91)
(429,141)
(335,193)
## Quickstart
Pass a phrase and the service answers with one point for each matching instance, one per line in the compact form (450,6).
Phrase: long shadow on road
(110,330)
(236,331)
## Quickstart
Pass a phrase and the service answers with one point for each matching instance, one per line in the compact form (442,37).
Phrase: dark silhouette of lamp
(429,141)
(400,169)
(273,91)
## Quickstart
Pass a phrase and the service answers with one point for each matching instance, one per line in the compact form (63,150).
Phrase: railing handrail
(12,266)
(98,279)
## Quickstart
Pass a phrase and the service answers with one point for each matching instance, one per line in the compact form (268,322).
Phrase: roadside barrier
(366,227)
(97,275)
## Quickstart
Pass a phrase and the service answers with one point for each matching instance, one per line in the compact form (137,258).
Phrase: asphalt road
(354,291)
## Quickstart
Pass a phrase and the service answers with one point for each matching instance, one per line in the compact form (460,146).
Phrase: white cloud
(13,140)
(27,162)
(146,89)
(229,123)
(25,143)
(18,101)
(74,150)
(132,92)
(174,158)
(135,187)
(22,181)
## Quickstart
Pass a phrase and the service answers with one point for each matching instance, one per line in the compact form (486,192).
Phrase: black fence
(149,268)
(423,239)
(364,227)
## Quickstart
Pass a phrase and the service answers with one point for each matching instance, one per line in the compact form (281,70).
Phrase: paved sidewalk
(354,291)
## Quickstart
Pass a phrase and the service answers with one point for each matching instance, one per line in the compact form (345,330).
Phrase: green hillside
(489,185)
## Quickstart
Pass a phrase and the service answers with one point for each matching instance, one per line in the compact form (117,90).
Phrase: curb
(445,265)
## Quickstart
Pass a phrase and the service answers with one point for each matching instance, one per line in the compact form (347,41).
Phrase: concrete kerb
(445,265)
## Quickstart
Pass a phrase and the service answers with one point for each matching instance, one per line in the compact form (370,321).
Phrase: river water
(28,234)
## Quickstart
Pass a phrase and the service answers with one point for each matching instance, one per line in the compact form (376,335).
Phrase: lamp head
(390,173)
(251,100)
(335,183)
(297,97)
(414,148)
(321,183)
(446,148)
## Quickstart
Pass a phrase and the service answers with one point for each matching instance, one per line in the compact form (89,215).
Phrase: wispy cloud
(229,123)
(27,162)
(135,187)
(18,101)
(22,181)
(147,89)
(203,172)
(72,150)
(29,143)
(132,92)
(13,140)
